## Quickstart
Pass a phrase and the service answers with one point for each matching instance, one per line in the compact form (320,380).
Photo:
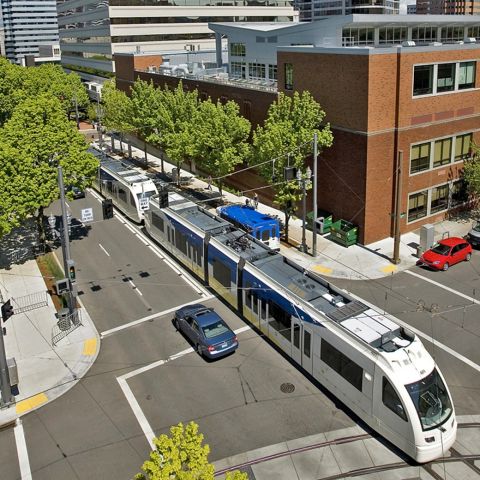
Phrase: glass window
(280,320)
(248,296)
(221,273)
(417,205)
(466,75)
(446,77)
(307,343)
(423,80)
(431,400)
(339,362)
(442,152)
(458,193)
(452,34)
(439,199)
(288,76)
(238,69)
(296,335)
(237,49)
(272,72)
(181,242)
(420,158)
(424,34)
(391,399)
(462,147)
(256,70)
(157,221)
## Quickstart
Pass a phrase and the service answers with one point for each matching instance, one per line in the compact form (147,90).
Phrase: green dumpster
(344,233)
(324,221)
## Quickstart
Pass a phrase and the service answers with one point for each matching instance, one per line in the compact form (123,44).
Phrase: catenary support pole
(398,208)
(315,186)
(7,397)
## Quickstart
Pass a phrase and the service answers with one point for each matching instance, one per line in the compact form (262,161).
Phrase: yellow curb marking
(90,347)
(31,403)
(389,268)
(321,269)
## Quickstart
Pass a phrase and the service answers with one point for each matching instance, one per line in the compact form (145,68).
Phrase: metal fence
(30,302)
(65,325)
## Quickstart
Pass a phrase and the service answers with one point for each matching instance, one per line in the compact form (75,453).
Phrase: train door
(302,344)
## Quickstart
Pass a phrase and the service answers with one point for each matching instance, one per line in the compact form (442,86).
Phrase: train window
(296,335)
(264,309)
(266,235)
(158,222)
(198,250)
(339,362)
(255,303)
(132,199)
(307,343)
(122,194)
(280,320)
(221,273)
(181,242)
(391,399)
(248,295)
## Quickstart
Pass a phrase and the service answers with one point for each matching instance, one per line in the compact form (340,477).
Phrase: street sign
(87,215)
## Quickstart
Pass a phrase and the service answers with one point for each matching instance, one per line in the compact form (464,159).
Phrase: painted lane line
(107,333)
(134,405)
(137,411)
(158,254)
(135,288)
(433,282)
(22,452)
(102,247)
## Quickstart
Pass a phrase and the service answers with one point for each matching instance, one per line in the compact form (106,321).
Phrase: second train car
(378,369)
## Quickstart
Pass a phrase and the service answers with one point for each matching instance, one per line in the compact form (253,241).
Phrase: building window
(237,49)
(458,193)
(452,34)
(445,77)
(247,109)
(238,70)
(260,39)
(256,70)
(420,158)
(462,147)
(272,39)
(423,80)
(288,76)
(424,34)
(357,36)
(439,199)
(442,152)
(417,205)
(272,72)
(391,399)
(392,35)
(474,32)
(466,75)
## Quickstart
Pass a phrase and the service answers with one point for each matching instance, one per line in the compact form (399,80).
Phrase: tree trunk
(287,219)
(220,189)
(162,168)
(121,143)
(178,174)
(145,151)
(40,228)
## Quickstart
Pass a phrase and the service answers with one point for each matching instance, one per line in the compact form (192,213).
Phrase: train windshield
(431,400)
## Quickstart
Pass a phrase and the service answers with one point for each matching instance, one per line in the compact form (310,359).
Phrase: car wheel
(445,267)
(468,257)
(198,349)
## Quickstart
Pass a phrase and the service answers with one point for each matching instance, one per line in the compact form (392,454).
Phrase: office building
(28,24)
(398,91)
(448,7)
(412,9)
(93,31)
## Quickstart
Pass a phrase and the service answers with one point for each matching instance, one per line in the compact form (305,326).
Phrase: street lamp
(304,181)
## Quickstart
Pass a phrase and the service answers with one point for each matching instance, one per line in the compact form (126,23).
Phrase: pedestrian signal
(7,310)
(71,271)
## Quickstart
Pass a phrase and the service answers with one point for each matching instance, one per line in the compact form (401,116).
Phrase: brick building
(403,84)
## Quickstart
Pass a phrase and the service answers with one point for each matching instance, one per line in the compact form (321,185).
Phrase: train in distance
(379,369)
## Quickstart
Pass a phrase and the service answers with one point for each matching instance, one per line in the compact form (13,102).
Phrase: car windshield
(215,329)
(441,249)
(431,400)
(477,227)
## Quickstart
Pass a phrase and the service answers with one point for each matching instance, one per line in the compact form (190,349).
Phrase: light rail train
(378,369)
(129,188)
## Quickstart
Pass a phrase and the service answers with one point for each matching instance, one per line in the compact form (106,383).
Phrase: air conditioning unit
(408,43)
(436,44)
(470,40)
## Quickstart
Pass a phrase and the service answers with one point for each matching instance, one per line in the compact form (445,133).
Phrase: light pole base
(303,248)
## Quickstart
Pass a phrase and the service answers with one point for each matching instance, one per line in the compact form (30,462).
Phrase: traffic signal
(290,173)
(163,199)
(71,271)
(7,310)
(107,207)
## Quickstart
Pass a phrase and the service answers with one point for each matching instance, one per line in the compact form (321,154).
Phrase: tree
(181,456)
(39,137)
(471,171)
(117,110)
(11,94)
(286,140)
(220,140)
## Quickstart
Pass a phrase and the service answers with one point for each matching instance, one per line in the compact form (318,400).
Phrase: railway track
(467,459)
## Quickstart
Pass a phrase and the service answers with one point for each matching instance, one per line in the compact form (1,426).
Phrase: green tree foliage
(471,172)
(287,137)
(181,456)
(220,139)
(11,94)
(34,141)
(117,109)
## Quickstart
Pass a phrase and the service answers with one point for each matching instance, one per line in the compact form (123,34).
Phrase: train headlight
(429,439)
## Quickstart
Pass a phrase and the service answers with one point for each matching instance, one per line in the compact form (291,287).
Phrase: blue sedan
(210,335)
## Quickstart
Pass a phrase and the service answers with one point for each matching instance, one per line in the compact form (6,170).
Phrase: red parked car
(446,252)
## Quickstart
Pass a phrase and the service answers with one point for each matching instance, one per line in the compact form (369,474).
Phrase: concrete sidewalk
(50,360)
(359,262)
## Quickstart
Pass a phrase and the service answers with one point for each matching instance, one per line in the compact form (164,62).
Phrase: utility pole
(315,186)
(76,111)
(7,397)
(67,260)
(99,118)
(398,208)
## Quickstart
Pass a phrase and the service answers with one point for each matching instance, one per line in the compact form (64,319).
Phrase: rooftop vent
(470,40)
(408,43)
(436,44)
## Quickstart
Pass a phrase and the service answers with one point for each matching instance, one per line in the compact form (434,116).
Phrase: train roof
(247,215)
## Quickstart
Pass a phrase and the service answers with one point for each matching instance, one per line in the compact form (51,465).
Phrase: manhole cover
(287,387)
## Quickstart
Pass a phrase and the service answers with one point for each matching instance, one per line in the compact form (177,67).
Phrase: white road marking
(134,405)
(107,333)
(22,452)
(135,288)
(438,284)
(102,247)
